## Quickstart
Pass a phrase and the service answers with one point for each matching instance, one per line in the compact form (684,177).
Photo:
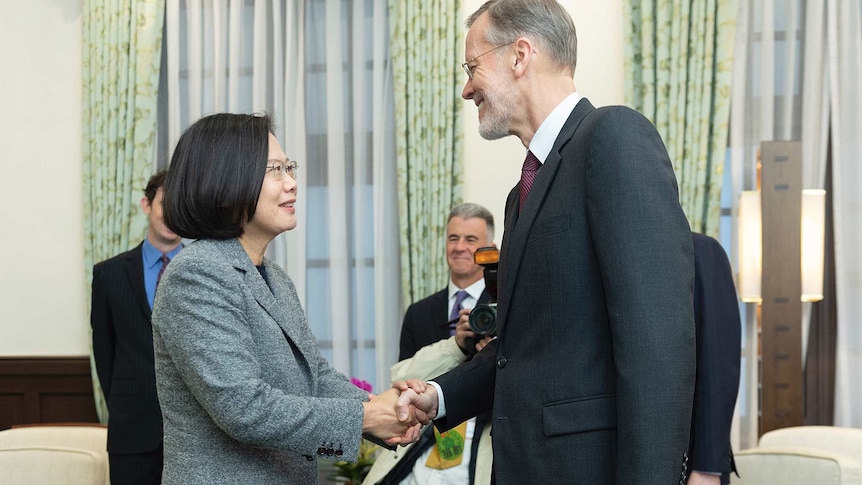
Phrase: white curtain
(844,50)
(321,69)
(796,69)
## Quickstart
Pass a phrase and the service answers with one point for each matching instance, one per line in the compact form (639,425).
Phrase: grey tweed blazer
(245,393)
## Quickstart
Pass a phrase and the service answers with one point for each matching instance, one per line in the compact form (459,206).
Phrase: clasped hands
(398,414)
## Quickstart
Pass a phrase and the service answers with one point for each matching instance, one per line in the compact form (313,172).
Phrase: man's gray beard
(495,130)
(499,118)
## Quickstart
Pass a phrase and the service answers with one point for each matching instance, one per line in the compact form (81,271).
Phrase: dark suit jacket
(592,377)
(716,316)
(426,322)
(123,350)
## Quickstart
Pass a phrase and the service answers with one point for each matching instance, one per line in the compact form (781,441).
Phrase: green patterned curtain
(121,57)
(678,57)
(426,37)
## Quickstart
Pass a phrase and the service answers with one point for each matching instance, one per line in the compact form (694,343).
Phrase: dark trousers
(137,469)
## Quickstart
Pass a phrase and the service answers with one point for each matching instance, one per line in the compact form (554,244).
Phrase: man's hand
(418,400)
(466,337)
(380,419)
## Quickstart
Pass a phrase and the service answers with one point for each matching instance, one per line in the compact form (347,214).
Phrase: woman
(245,394)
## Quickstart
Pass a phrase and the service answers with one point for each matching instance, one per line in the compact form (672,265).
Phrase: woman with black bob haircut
(245,394)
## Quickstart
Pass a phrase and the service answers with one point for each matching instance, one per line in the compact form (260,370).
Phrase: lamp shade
(813,230)
(750,252)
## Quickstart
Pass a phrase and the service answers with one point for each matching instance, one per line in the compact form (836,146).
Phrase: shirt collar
(546,135)
(152,256)
(475,290)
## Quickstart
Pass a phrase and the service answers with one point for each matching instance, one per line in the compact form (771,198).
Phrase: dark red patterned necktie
(528,175)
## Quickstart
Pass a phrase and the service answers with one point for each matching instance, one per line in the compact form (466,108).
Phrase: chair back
(54,454)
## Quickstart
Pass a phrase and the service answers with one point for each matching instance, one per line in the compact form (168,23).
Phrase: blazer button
(502,361)
(309,457)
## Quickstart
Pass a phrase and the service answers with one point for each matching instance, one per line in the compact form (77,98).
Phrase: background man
(123,291)
(431,343)
(591,378)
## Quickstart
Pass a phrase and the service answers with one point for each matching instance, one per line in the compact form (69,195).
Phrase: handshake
(397,415)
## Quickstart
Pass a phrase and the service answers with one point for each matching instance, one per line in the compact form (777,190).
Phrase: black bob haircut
(215,176)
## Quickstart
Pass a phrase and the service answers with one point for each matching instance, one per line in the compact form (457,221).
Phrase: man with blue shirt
(123,291)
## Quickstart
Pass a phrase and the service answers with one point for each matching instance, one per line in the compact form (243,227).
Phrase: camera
(483,318)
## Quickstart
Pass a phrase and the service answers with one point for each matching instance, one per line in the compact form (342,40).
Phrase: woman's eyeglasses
(281,168)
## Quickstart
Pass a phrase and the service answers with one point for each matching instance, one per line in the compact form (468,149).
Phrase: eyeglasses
(281,168)
(469,69)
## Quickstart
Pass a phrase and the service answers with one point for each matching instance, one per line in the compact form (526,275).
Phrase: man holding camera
(436,337)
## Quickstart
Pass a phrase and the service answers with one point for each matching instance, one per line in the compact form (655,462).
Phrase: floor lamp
(781,247)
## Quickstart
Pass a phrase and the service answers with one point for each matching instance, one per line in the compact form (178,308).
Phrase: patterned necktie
(456,310)
(528,175)
(164,259)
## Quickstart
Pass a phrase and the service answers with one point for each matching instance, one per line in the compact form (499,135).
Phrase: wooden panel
(45,390)
(781,327)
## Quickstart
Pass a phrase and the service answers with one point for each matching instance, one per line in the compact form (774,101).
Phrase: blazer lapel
(440,303)
(135,273)
(519,221)
(265,297)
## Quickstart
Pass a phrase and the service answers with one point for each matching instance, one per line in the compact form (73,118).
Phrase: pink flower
(364,385)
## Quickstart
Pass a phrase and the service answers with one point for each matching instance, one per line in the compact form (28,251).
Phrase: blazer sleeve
(644,251)
(203,324)
(719,336)
(468,389)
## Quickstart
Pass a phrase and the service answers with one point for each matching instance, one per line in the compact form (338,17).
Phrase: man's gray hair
(469,210)
(544,21)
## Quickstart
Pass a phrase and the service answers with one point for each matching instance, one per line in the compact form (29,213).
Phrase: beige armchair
(794,466)
(54,454)
(822,455)
(834,439)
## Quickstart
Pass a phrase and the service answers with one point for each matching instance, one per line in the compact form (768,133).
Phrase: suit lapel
(279,311)
(518,225)
(441,305)
(134,262)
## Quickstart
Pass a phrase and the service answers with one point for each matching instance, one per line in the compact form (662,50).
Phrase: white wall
(494,167)
(42,308)
(42,284)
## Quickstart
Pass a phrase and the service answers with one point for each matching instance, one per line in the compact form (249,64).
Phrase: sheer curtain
(320,68)
(796,73)
(767,104)
(844,48)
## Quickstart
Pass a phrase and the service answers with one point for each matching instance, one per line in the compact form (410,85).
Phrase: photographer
(435,338)
(468,228)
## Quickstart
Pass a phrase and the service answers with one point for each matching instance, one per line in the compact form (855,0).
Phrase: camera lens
(483,319)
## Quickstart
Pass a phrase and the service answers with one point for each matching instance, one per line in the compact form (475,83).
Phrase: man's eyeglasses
(469,69)
(281,168)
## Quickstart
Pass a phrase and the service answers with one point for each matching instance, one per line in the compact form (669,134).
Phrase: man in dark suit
(719,334)
(468,228)
(123,291)
(591,378)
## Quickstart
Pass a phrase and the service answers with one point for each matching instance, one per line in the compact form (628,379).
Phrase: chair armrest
(795,466)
